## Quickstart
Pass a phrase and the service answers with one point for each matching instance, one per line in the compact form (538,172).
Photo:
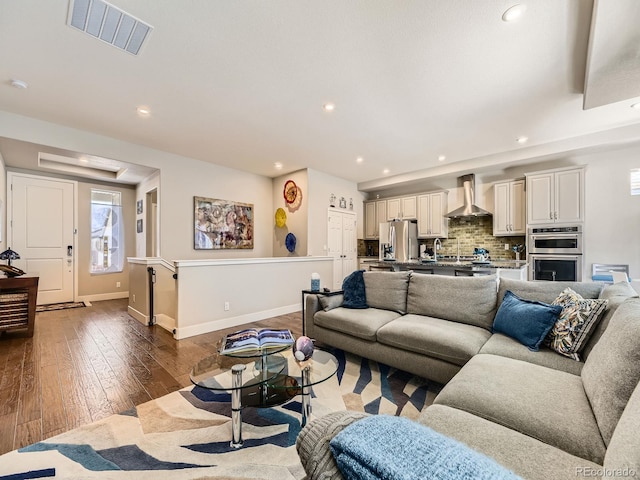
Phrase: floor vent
(109,24)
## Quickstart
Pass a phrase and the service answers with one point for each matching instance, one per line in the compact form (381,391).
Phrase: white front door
(41,212)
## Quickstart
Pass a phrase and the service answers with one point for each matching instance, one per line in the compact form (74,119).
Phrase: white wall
(182,178)
(321,186)
(255,289)
(3,205)
(148,185)
(297,215)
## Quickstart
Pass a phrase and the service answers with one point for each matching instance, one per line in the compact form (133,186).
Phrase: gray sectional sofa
(540,414)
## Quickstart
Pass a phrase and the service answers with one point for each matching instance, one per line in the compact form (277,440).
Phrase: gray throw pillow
(329,302)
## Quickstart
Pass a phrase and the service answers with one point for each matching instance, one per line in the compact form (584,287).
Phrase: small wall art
(139,207)
(222,224)
(139,226)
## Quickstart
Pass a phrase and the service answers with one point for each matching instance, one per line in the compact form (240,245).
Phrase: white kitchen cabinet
(555,196)
(432,208)
(370,220)
(404,208)
(375,212)
(342,244)
(509,217)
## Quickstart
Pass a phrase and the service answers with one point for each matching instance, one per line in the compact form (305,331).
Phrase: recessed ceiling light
(359,159)
(329,107)
(522,139)
(636,106)
(385,171)
(143,111)
(19,84)
(511,14)
(277,165)
(441,158)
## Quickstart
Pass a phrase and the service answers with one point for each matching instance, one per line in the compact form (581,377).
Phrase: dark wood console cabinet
(18,297)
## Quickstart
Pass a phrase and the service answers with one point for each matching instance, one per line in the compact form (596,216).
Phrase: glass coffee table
(263,379)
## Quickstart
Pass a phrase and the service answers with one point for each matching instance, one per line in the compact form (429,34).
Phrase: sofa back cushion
(387,290)
(612,370)
(615,294)
(624,448)
(470,300)
(546,292)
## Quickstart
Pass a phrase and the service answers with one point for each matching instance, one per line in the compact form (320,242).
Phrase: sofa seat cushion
(506,346)
(548,405)
(387,290)
(362,323)
(526,456)
(450,341)
(470,300)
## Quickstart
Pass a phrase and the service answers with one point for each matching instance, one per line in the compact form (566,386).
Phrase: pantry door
(42,231)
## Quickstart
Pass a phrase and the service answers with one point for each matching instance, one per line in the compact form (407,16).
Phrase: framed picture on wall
(139,207)
(222,224)
(139,226)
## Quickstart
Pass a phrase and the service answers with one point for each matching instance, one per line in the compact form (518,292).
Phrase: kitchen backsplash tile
(475,232)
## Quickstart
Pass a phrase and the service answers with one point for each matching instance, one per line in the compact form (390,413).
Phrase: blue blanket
(385,447)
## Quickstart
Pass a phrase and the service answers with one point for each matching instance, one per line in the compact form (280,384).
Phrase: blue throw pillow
(527,321)
(354,294)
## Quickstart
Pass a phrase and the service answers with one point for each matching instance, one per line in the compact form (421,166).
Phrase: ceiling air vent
(109,24)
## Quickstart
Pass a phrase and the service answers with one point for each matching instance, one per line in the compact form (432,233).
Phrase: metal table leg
(306,397)
(236,406)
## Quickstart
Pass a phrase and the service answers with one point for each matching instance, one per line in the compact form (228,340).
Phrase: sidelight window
(635,181)
(107,232)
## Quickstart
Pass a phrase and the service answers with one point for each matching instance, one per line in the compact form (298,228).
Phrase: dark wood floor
(84,364)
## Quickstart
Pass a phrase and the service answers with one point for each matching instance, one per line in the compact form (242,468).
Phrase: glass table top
(280,370)
(214,372)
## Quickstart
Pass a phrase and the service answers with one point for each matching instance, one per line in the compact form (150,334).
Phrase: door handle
(69,250)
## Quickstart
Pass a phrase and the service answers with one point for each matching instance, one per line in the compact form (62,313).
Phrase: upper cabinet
(402,208)
(432,208)
(555,196)
(509,216)
(375,212)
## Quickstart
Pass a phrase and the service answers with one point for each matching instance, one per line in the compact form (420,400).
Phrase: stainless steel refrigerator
(399,240)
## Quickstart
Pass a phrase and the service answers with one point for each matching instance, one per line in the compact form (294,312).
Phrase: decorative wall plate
(281,218)
(290,191)
(290,242)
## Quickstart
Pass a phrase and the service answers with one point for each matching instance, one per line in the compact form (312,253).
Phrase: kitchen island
(516,269)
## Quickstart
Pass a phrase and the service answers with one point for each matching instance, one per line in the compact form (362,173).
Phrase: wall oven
(555,253)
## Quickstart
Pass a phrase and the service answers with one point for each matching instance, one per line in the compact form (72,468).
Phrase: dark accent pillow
(527,321)
(354,292)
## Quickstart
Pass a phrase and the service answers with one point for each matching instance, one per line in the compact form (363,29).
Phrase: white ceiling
(242,83)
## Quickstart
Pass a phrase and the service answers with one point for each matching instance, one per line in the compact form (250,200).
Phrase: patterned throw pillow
(575,324)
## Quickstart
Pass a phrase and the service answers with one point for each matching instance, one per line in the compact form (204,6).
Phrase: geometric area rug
(185,434)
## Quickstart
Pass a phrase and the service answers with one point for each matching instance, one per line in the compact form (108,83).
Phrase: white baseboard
(141,317)
(102,296)
(166,322)
(193,330)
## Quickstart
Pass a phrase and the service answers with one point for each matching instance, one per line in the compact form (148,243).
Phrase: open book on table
(253,339)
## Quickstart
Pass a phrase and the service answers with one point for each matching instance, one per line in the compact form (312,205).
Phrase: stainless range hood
(469,208)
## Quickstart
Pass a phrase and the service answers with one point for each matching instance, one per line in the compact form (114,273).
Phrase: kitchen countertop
(511,264)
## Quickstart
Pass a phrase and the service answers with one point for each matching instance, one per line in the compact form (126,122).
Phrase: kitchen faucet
(436,242)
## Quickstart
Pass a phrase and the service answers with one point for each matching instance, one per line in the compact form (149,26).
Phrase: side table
(316,292)
(18,297)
